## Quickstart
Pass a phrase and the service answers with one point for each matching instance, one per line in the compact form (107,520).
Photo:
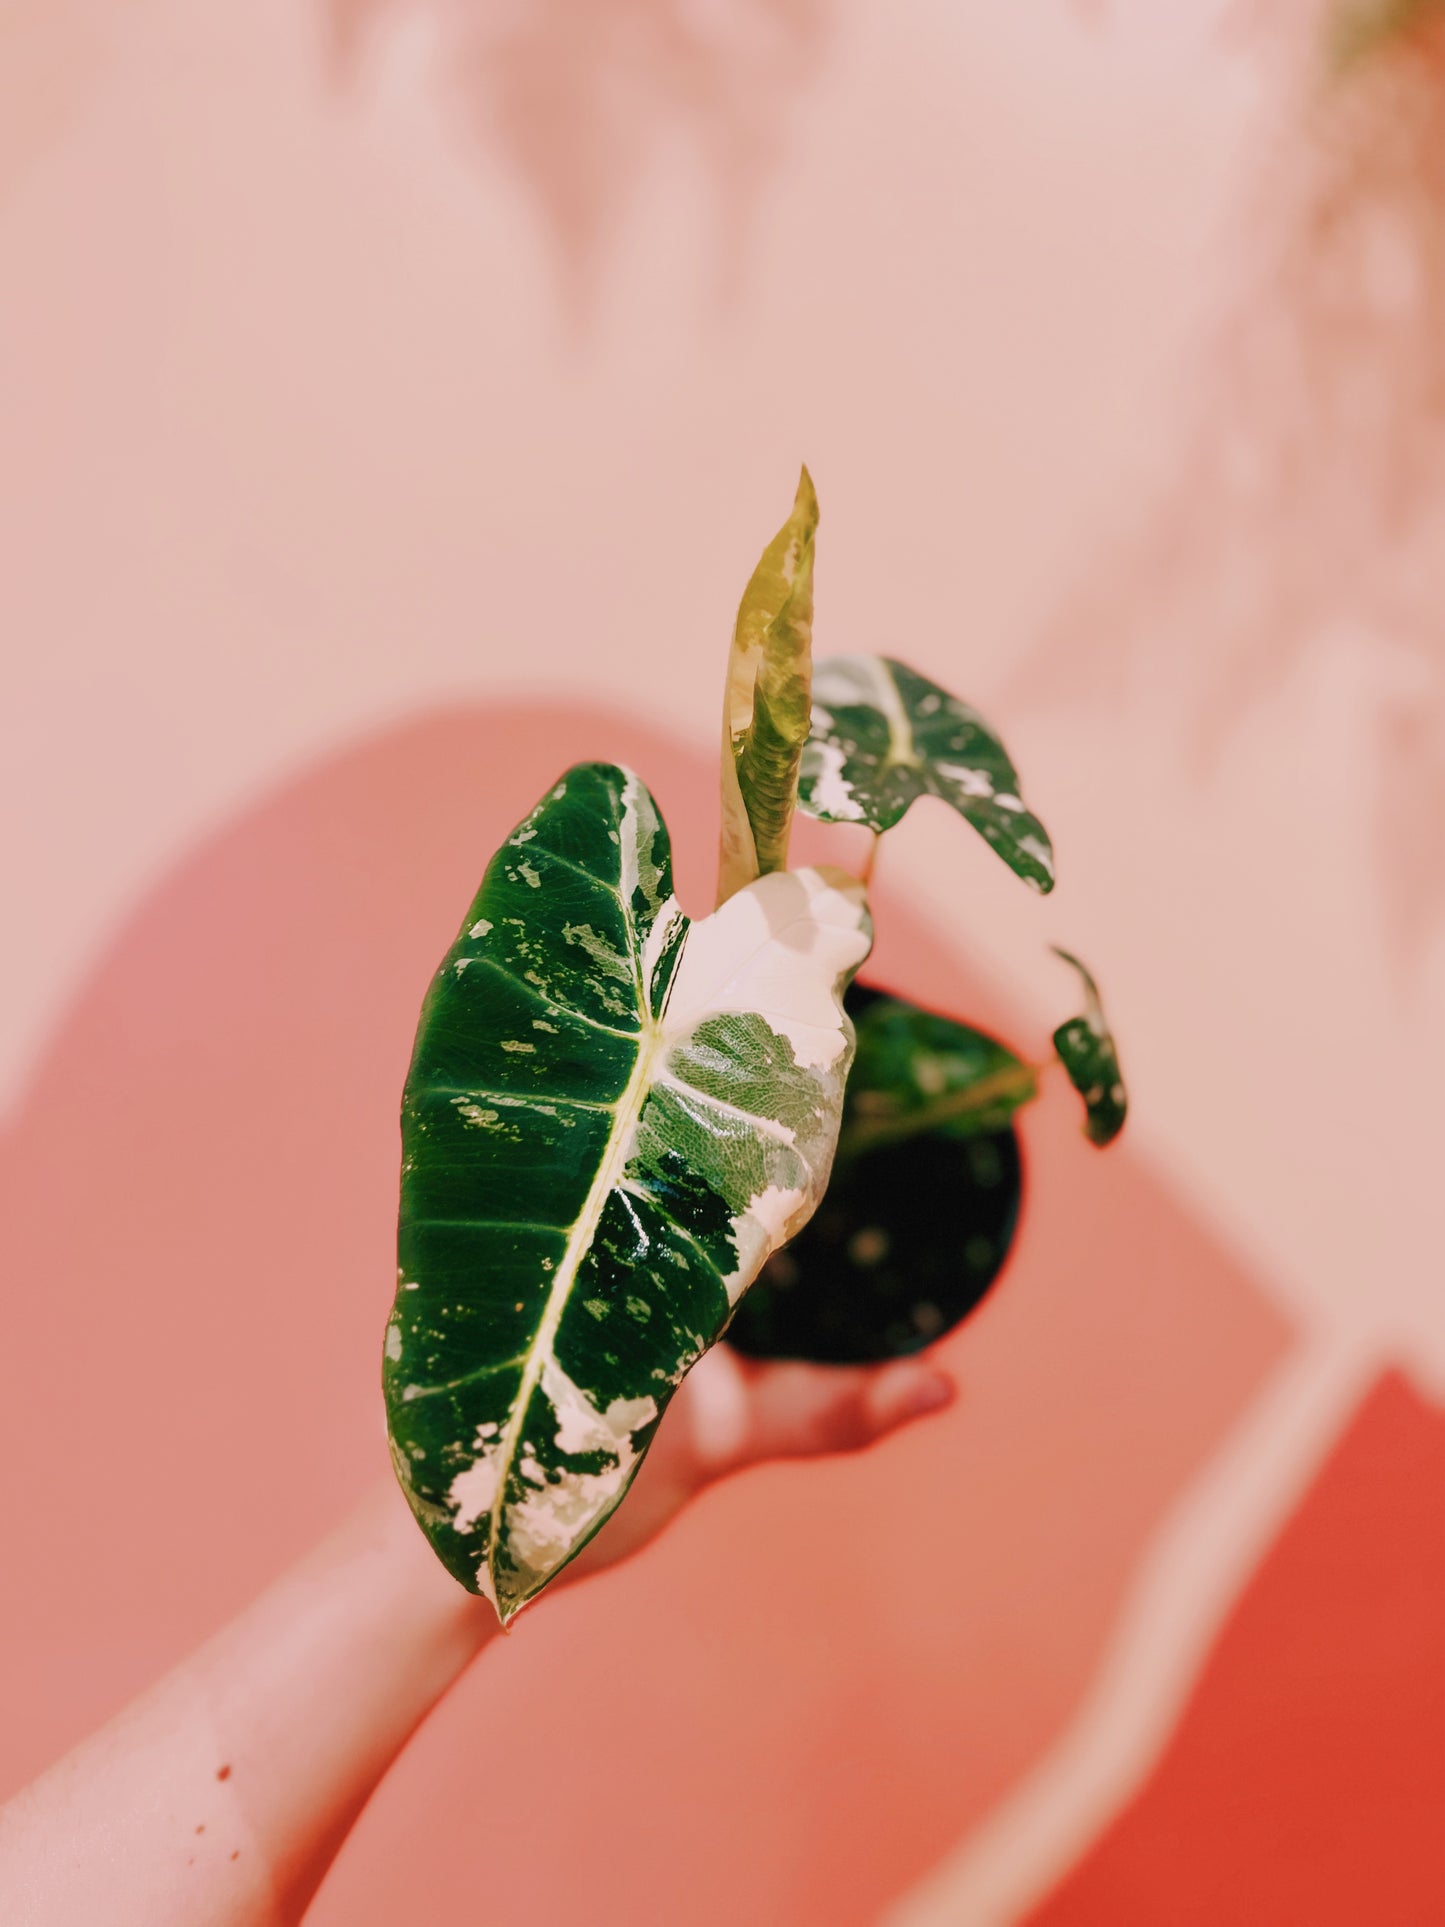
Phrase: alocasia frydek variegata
(616,1113)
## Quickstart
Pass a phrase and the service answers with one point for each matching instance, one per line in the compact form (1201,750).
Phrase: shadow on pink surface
(580,101)
(808,1693)
(1307,504)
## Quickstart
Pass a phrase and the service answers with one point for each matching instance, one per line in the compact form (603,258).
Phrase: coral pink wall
(375,377)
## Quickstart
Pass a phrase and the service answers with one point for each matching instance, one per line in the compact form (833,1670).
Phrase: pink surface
(1307,1779)
(359,357)
(796,1703)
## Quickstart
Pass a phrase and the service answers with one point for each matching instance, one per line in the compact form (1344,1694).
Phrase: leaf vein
(554,1004)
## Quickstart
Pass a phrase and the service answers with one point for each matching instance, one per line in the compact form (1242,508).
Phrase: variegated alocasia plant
(1088,1053)
(616,1113)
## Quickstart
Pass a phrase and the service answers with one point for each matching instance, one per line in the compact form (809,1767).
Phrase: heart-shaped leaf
(1087,1052)
(767,701)
(882,736)
(914,1227)
(612,1117)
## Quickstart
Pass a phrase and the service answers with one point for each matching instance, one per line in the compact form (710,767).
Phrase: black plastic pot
(907,1242)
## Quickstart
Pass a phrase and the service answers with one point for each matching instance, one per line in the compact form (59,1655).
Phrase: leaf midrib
(626,1112)
(902,750)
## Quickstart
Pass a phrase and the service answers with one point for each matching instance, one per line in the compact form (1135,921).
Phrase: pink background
(379,378)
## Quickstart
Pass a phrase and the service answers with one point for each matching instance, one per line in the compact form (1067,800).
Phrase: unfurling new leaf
(1087,1052)
(767,702)
(613,1115)
(883,736)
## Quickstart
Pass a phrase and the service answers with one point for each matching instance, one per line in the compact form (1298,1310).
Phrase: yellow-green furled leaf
(1087,1052)
(768,702)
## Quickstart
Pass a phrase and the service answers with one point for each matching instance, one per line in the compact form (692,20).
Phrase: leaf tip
(805,501)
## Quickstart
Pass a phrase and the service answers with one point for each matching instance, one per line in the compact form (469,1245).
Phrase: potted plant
(617,1117)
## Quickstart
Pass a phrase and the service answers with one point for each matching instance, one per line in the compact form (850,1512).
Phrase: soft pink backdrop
(375,376)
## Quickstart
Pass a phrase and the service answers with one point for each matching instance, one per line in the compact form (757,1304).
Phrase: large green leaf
(767,701)
(1088,1053)
(915,1225)
(612,1117)
(882,736)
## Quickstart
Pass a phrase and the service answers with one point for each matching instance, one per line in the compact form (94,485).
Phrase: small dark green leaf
(883,736)
(612,1116)
(1363,29)
(914,1228)
(1087,1052)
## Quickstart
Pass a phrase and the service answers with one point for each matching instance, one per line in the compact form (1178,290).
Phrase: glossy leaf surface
(612,1117)
(768,701)
(882,736)
(912,1231)
(1088,1053)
